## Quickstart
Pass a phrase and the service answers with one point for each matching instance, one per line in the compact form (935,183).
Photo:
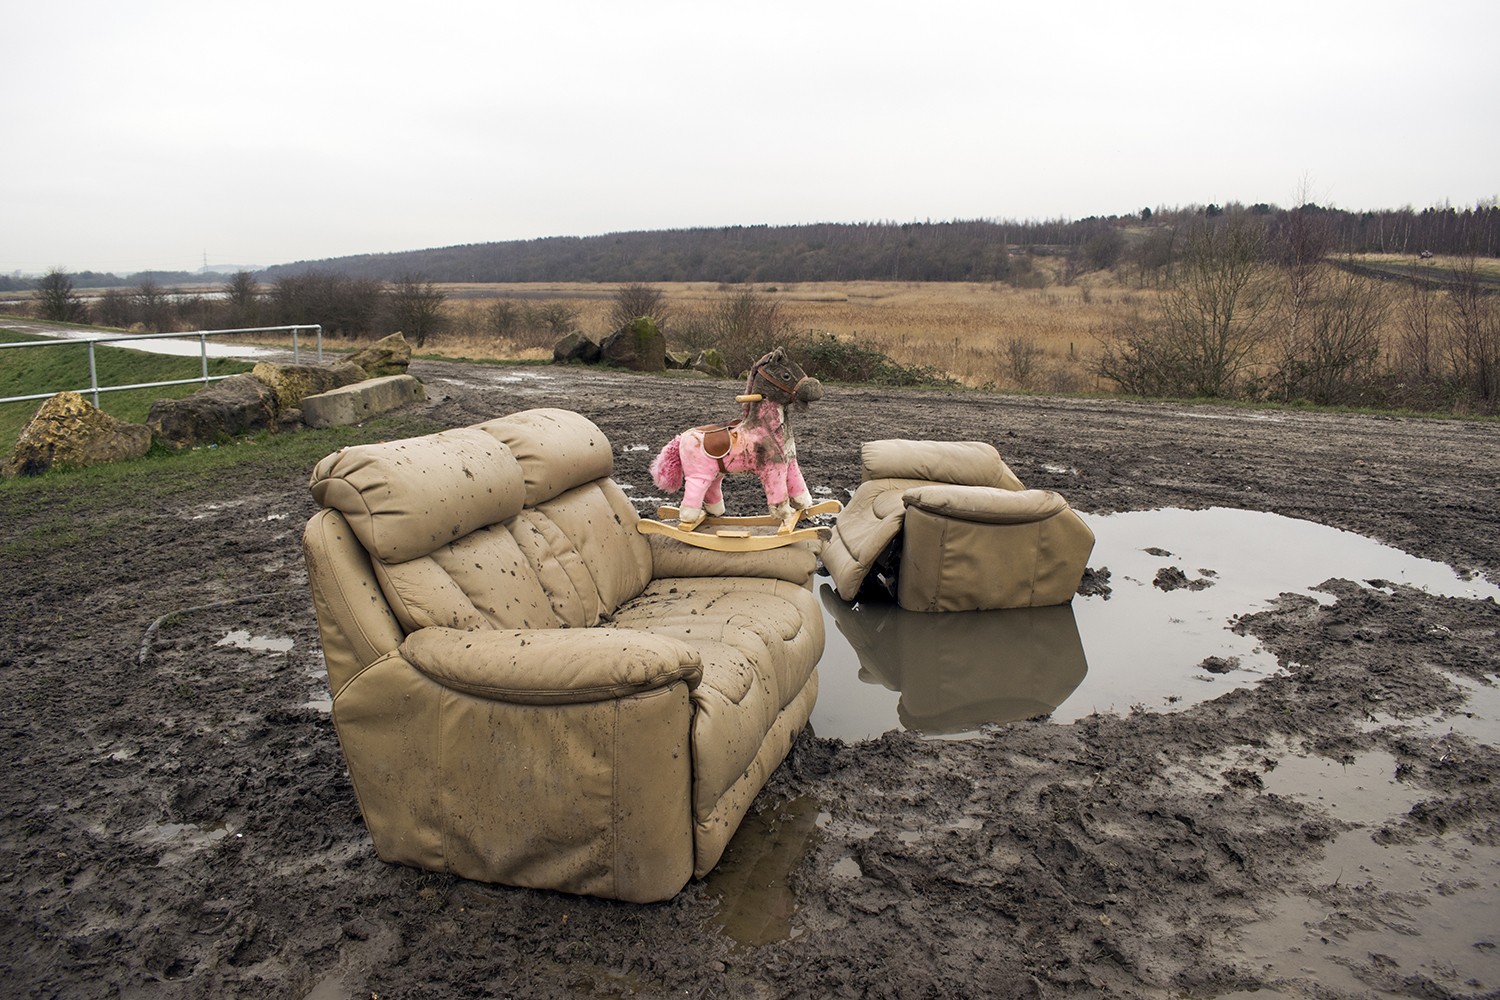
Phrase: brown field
(983,334)
(979,332)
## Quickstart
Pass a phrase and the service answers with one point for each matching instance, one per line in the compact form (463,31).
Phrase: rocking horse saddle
(718,439)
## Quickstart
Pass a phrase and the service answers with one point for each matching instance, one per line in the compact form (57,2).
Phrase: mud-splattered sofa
(529,691)
(948,527)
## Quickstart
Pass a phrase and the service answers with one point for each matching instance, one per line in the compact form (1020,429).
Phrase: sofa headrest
(557,450)
(962,463)
(986,504)
(404,499)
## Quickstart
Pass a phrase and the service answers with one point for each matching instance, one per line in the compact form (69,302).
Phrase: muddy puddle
(1164,649)
(1159,639)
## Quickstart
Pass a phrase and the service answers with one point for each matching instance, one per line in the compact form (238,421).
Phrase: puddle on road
(242,639)
(1141,646)
(949,674)
(756,905)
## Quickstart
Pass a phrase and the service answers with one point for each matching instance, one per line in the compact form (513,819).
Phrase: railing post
(203,355)
(296,357)
(93,375)
(319,328)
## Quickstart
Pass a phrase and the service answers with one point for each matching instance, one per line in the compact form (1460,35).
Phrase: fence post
(296,357)
(319,328)
(93,375)
(203,355)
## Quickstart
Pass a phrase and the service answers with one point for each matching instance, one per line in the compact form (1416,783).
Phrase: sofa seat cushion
(758,639)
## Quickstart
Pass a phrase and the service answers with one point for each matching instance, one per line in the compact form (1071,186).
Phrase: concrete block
(361,401)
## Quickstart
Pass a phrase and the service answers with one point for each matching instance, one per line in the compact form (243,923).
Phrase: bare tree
(1214,309)
(56,299)
(417,308)
(1208,324)
(242,292)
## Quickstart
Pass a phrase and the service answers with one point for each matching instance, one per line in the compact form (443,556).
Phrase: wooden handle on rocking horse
(753,397)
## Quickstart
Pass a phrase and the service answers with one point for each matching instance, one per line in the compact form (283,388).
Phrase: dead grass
(983,334)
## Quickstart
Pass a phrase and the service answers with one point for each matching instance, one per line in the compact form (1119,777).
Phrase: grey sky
(142,135)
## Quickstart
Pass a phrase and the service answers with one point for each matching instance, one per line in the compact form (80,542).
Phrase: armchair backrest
(513,523)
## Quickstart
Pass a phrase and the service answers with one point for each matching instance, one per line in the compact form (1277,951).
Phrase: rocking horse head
(779,379)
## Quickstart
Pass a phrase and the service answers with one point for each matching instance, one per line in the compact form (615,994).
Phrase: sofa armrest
(551,666)
(671,559)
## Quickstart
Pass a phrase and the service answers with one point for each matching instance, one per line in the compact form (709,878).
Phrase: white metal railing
(202,335)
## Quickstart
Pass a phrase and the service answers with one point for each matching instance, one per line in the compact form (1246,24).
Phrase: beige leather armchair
(957,531)
(526,689)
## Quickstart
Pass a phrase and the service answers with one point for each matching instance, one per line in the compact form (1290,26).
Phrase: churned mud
(1303,804)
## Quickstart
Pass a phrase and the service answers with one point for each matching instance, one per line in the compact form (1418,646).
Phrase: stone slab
(352,403)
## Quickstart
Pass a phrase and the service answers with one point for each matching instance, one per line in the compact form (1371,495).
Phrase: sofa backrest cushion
(404,499)
(566,563)
(961,463)
(984,505)
(557,450)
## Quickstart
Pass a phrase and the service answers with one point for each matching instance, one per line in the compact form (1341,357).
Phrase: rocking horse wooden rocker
(760,442)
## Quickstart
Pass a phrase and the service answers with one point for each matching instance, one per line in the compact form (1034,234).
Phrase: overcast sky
(144,135)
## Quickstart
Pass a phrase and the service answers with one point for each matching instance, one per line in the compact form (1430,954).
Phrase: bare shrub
(744,326)
(1472,337)
(1021,357)
(1418,328)
(344,306)
(633,301)
(115,309)
(1329,342)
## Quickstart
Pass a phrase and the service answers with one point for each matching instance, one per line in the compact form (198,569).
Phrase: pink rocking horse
(760,442)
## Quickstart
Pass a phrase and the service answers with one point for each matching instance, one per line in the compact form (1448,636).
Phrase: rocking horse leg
(713,498)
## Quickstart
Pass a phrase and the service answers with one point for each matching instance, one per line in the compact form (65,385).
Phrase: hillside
(975,250)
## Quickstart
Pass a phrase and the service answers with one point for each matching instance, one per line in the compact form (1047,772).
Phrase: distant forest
(98,279)
(979,250)
(915,251)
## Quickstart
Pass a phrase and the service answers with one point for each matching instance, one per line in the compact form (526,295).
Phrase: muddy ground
(177,821)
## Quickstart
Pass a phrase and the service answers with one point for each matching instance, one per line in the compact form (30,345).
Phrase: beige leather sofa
(957,531)
(529,691)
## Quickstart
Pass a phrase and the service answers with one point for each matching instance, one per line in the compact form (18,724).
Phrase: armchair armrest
(985,505)
(551,666)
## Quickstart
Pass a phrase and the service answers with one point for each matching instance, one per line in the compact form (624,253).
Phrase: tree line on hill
(977,250)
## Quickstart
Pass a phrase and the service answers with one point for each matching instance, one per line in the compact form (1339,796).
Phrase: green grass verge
(26,371)
(63,509)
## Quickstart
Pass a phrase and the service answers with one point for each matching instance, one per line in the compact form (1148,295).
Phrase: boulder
(575,347)
(710,362)
(353,403)
(638,346)
(237,404)
(292,382)
(676,360)
(387,356)
(67,431)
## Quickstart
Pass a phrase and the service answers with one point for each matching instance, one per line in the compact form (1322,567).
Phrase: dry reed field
(980,333)
(985,335)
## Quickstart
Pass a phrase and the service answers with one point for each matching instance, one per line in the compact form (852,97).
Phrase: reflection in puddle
(949,673)
(1146,646)
(756,905)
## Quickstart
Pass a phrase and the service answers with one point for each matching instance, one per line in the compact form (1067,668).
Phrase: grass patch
(24,372)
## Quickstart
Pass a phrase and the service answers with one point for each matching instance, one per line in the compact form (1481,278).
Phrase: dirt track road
(179,824)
